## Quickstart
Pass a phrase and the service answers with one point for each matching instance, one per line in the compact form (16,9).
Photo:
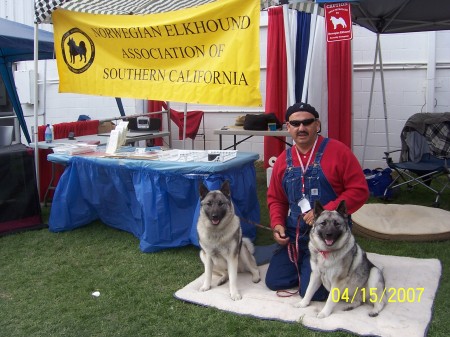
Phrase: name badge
(304,205)
(314,191)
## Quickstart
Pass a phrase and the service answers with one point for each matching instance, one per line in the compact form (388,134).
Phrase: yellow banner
(208,54)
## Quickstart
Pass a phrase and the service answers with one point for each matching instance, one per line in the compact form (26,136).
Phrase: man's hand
(280,236)
(309,217)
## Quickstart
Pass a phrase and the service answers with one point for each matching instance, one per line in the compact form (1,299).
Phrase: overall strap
(319,153)
(289,163)
(315,167)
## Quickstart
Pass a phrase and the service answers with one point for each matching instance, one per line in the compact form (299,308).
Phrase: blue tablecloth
(158,202)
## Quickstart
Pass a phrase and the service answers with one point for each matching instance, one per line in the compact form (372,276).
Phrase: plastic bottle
(48,134)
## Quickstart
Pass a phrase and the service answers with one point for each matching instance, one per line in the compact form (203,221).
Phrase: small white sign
(338,21)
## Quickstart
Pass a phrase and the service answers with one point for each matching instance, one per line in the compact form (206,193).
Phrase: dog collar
(324,253)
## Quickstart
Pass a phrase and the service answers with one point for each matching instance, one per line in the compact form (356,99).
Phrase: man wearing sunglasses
(314,168)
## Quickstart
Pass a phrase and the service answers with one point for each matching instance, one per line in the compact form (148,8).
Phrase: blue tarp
(158,202)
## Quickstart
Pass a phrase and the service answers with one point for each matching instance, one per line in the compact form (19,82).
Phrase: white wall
(405,57)
(17,10)
(55,107)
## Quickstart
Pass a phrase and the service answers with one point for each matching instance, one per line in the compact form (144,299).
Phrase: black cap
(301,107)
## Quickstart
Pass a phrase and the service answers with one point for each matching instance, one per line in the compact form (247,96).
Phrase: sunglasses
(305,122)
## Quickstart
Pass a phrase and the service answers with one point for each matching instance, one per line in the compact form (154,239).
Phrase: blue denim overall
(282,273)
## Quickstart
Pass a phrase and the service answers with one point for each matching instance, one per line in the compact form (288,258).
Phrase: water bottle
(48,134)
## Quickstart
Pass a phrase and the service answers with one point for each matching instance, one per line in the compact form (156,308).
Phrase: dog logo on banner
(78,50)
(338,21)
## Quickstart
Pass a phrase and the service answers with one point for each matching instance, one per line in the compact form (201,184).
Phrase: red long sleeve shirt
(340,167)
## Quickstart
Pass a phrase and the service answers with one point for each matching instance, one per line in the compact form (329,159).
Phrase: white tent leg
(44,87)
(35,108)
(383,91)
(374,69)
(169,126)
(184,126)
(431,72)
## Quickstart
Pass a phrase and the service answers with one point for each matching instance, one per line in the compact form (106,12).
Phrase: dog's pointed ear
(318,209)
(342,208)
(225,189)
(203,190)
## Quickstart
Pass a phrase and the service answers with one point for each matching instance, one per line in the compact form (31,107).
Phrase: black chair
(425,154)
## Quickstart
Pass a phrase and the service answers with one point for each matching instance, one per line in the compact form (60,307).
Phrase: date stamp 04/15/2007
(372,295)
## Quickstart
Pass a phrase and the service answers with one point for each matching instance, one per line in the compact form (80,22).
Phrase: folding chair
(425,153)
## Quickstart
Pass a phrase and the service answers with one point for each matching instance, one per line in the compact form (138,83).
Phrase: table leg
(50,185)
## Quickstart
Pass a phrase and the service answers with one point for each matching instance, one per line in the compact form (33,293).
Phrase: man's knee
(276,282)
(272,283)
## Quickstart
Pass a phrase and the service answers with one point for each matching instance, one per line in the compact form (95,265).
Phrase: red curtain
(276,81)
(61,130)
(339,74)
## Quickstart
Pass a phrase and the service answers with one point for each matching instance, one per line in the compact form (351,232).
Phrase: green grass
(46,282)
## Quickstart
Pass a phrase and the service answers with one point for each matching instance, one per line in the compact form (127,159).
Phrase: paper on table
(113,142)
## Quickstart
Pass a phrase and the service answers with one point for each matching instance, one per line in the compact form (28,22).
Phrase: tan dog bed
(402,222)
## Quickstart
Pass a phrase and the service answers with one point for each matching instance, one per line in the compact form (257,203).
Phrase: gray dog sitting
(340,264)
(223,249)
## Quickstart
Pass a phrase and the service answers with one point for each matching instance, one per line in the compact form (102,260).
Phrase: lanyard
(307,164)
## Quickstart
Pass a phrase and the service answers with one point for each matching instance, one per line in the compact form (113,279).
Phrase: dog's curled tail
(249,245)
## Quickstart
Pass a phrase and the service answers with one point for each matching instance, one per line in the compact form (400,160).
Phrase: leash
(292,252)
(256,224)
(293,257)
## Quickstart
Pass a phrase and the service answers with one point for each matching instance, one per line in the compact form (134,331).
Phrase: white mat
(410,318)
